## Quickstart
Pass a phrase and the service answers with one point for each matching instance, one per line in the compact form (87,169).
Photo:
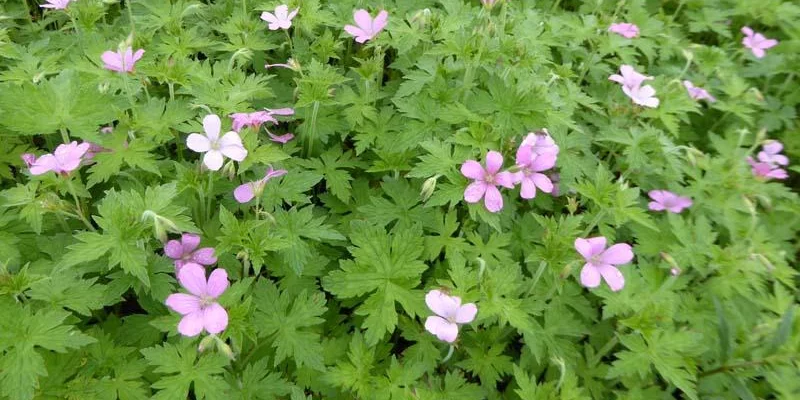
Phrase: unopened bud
(225,349)
(428,187)
(688,54)
(572,205)
(229,170)
(205,343)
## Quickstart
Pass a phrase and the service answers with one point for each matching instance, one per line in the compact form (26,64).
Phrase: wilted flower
(199,308)
(449,313)
(698,93)
(486,181)
(367,27)
(282,139)
(632,86)
(600,262)
(215,147)
(756,42)
(249,190)
(64,160)
(185,251)
(253,120)
(56,4)
(666,200)
(121,60)
(282,19)
(625,29)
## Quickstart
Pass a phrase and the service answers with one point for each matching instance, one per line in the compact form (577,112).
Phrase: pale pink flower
(249,190)
(675,271)
(625,29)
(756,42)
(56,4)
(529,175)
(666,200)
(215,147)
(64,160)
(632,86)
(367,27)
(771,153)
(121,61)
(282,139)
(766,170)
(185,251)
(282,19)
(600,262)
(698,93)
(449,314)
(253,120)
(199,307)
(541,143)
(486,181)
(29,159)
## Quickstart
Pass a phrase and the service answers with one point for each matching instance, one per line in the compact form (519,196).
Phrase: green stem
(64,135)
(449,354)
(129,7)
(210,195)
(79,207)
(128,94)
(313,130)
(746,364)
(594,222)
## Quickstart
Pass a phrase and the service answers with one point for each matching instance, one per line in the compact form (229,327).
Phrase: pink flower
(282,139)
(666,200)
(280,111)
(632,86)
(94,149)
(449,313)
(29,159)
(64,160)
(625,29)
(215,147)
(282,19)
(56,4)
(756,42)
(531,166)
(367,27)
(121,61)
(698,93)
(253,120)
(771,153)
(185,251)
(675,271)
(199,308)
(486,181)
(766,170)
(249,190)
(541,143)
(600,262)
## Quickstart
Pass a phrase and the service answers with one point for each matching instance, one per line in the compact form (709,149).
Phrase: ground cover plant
(399,199)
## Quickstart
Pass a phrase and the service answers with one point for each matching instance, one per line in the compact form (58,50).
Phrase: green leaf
(724,333)
(296,227)
(784,331)
(180,367)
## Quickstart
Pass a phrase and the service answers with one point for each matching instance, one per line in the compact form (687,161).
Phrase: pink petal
(204,256)
(283,139)
(215,318)
(442,304)
(443,329)
(212,126)
(543,162)
(612,276)
(590,247)
(363,20)
(617,254)
(183,303)
(137,56)
(190,242)
(44,164)
(472,170)
(773,147)
(244,193)
(466,313)
(475,191)
(213,160)
(590,276)
(360,35)
(269,17)
(193,278)
(524,155)
(527,189)
(112,61)
(198,143)
(617,78)
(655,206)
(759,53)
(747,31)
(505,179)
(543,182)
(658,195)
(281,111)
(217,283)
(380,21)
(173,249)
(494,161)
(493,199)
(191,324)
(231,147)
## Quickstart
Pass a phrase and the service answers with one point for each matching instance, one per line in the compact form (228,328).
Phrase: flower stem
(449,354)
(79,207)
(210,196)
(129,7)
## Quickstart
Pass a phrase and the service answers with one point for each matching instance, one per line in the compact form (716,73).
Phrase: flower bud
(428,187)
(205,343)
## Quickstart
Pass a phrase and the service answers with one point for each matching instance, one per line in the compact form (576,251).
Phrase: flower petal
(612,276)
(543,182)
(466,313)
(215,318)
(590,276)
(204,256)
(527,189)
(543,162)
(244,193)
(443,329)
(212,126)
(183,303)
(493,199)
(620,253)
(475,191)
(198,143)
(112,61)
(191,324)
(190,242)
(505,179)
(363,20)
(44,164)
(494,161)
(655,206)
(217,283)
(380,21)
(472,170)
(213,160)
(193,278)
(173,249)
(442,304)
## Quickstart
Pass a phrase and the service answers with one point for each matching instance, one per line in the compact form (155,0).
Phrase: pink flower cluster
(770,161)
(537,153)
(199,308)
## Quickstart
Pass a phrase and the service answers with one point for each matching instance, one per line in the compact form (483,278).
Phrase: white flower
(215,147)
(282,19)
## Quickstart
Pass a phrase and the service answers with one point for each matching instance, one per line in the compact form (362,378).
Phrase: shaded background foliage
(346,247)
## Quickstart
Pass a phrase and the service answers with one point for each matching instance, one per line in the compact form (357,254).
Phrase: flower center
(595,260)
(489,179)
(215,145)
(206,301)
